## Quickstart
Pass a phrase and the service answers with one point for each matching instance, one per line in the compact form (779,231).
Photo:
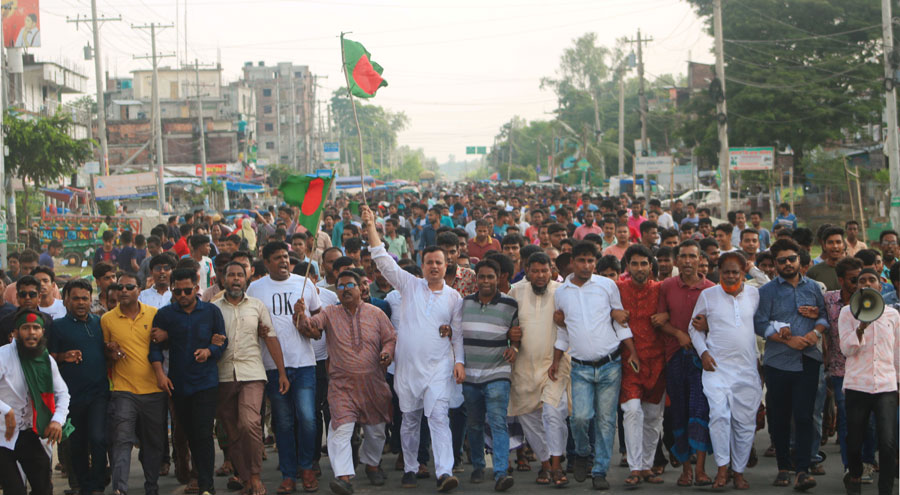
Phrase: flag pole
(362,181)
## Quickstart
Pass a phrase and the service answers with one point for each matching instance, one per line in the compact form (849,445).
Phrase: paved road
(760,479)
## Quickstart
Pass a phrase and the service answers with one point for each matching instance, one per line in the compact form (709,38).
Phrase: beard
(31,353)
(539,290)
(235,294)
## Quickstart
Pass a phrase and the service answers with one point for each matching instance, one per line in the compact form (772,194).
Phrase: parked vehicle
(79,233)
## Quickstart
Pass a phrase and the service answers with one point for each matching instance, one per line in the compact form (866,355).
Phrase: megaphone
(866,305)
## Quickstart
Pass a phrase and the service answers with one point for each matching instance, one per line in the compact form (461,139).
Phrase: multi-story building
(285,113)
(43,85)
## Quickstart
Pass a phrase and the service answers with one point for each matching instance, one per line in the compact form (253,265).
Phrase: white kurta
(424,371)
(14,395)
(733,390)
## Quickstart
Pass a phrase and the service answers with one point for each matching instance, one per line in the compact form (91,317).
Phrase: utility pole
(98,76)
(512,125)
(200,122)
(722,112)
(621,122)
(3,189)
(893,147)
(157,114)
(645,146)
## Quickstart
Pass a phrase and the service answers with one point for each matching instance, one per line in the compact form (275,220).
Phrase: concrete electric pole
(721,110)
(157,115)
(645,146)
(890,115)
(98,76)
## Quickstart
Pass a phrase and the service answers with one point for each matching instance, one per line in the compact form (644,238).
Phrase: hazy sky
(458,69)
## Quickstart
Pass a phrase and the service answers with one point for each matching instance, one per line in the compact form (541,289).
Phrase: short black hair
(802,236)
(55,243)
(109,235)
(867,256)
(582,248)
(607,262)
(688,243)
(526,251)
(749,230)
(887,232)
(536,257)
(847,264)
(433,249)
(507,267)
(353,244)
(28,280)
(637,250)
(273,247)
(490,263)
(784,245)
(725,227)
(448,238)
(350,273)
(198,240)
(101,269)
(342,262)
(126,237)
(77,283)
(185,274)
(162,259)
(44,269)
(133,275)
(647,226)
(832,231)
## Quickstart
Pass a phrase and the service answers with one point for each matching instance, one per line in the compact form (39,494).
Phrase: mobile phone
(633,366)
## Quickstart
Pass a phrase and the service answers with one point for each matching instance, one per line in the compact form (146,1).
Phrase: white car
(700,197)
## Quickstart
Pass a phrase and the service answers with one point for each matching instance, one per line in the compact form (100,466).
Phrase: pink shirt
(873,364)
(635,222)
(615,250)
(584,230)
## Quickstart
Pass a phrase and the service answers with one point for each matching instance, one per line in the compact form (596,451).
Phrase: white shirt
(55,310)
(590,332)
(152,297)
(665,221)
(424,359)
(279,298)
(327,298)
(14,394)
(731,340)
(394,300)
(470,229)
(206,273)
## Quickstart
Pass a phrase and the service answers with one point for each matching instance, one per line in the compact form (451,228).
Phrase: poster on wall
(21,24)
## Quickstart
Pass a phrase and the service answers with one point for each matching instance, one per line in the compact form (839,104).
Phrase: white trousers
(441,440)
(340,453)
(545,429)
(643,425)
(732,419)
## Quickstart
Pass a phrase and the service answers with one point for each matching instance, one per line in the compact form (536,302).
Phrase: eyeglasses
(348,285)
(26,294)
(179,292)
(122,286)
(785,259)
(888,243)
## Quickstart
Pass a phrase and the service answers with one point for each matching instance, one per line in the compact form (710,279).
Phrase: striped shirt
(484,329)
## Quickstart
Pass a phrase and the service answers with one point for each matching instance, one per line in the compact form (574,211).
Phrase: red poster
(21,23)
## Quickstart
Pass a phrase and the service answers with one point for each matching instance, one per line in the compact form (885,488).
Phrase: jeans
(196,414)
(295,445)
(490,400)
(868,447)
(859,406)
(323,415)
(595,397)
(818,412)
(87,444)
(792,395)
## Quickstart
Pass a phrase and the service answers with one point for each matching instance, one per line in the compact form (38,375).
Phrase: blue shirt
(45,260)
(765,238)
(789,220)
(778,301)
(428,238)
(187,333)
(86,380)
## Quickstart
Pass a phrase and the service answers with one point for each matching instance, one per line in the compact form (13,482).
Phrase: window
(270,145)
(267,92)
(267,109)
(269,127)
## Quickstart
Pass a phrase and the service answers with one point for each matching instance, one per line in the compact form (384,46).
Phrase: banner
(332,152)
(211,169)
(21,24)
(127,186)
(762,158)
(652,165)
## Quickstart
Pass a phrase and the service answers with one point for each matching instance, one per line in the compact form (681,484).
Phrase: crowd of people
(534,324)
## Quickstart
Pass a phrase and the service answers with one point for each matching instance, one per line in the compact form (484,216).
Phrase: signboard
(324,172)
(21,24)
(91,168)
(741,159)
(476,150)
(583,164)
(127,186)
(211,169)
(639,147)
(470,150)
(652,165)
(332,152)
(3,228)
(482,150)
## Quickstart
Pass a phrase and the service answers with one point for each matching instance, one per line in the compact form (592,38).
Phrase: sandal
(559,478)
(310,482)
(543,477)
(164,469)
(658,470)
(522,465)
(721,481)
(704,481)
(652,479)
(741,483)
(632,481)
(224,471)
(783,479)
(804,482)
(686,479)
(192,487)
(234,484)
(287,486)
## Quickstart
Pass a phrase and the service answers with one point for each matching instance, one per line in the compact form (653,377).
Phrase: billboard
(21,24)
(211,169)
(127,186)
(760,158)
(652,165)
(332,152)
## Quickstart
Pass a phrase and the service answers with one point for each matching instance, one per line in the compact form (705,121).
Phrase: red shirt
(181,247)
(679,299)
(477,250)
(641,302)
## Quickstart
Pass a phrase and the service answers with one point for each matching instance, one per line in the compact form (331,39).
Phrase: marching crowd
(533,324)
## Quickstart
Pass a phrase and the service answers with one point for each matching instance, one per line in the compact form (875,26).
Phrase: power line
(806,38)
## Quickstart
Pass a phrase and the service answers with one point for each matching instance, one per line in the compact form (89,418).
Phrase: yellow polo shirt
(133,373)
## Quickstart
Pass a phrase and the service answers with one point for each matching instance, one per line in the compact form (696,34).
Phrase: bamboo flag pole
(362,181)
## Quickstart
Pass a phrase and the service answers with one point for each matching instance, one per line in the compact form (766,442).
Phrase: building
(285,113)
(42,89)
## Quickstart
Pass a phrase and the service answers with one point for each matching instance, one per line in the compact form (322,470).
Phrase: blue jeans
(868,448)
(491,400)
(595,396)
(88,443)
(295,445)
(818,413)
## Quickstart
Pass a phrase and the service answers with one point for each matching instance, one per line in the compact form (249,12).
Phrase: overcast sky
(458,69)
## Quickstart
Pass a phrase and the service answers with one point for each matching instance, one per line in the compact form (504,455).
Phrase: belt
(600,362)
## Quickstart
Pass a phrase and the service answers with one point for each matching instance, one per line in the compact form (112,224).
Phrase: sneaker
(866,478)
(376,477)
(581,468)
(503,483)
(341,487)
(477,476)
(446,483)
(599,482)
(409,480)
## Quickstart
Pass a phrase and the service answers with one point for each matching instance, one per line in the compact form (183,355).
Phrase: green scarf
(39,378)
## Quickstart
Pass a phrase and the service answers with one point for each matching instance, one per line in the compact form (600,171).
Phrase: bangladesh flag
(309,193)
(363,74)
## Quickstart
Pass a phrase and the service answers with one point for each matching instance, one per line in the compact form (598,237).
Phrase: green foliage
(412,163)
(277,173)
(379,128)
(106,207)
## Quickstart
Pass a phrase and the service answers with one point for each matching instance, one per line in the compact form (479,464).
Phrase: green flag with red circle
(363,74)
(309,193)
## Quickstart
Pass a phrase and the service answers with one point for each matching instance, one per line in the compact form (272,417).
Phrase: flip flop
(686,479)
(559,478)
(632,481)
(543,477)
(703,481)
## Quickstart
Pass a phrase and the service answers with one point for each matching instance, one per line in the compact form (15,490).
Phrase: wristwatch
(818,334)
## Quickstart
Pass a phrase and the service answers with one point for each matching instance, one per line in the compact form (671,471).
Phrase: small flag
(309,194)
(354,208)
(364,75)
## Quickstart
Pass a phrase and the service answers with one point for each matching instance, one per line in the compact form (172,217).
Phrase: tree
(41,151)
(379,127)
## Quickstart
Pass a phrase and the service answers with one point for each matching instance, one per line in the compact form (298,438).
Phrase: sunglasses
(179,292)
(122,286)
(785,259)
(26,294)
(348,285)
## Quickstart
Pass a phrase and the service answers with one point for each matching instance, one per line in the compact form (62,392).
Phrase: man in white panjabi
(728,351)
(539,401)
(429,366)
